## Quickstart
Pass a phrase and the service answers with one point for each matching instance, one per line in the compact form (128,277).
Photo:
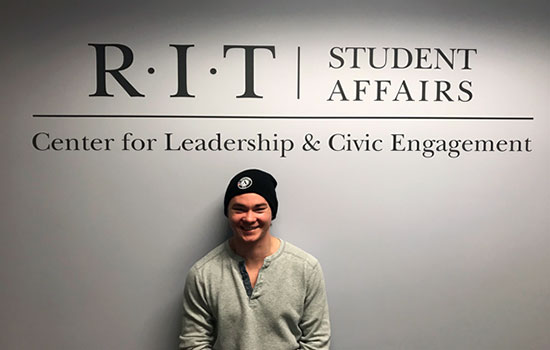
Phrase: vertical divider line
(298,75)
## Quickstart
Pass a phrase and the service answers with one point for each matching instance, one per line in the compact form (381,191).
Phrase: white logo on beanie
(244,183)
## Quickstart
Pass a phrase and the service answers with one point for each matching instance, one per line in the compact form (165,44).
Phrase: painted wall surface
(443,247)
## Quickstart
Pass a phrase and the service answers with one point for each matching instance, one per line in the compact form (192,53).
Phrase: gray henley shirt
(286,310)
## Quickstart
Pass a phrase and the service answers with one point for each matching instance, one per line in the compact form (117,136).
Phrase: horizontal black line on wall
(271,117)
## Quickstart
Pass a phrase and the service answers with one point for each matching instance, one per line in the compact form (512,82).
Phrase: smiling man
(254,291)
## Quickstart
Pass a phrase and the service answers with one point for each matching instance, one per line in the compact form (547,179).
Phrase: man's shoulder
(213,257)
(293,252)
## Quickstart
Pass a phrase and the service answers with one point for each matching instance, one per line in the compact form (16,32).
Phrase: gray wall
(418,253)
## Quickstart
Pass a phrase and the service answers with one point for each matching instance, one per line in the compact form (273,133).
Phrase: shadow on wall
(207,232)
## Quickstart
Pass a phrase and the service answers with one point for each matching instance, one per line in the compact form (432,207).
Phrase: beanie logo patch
(244,183)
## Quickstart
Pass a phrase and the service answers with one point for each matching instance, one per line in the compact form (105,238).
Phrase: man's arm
(198,326)
(315,324)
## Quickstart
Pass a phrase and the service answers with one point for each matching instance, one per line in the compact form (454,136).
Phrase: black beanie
(253,181)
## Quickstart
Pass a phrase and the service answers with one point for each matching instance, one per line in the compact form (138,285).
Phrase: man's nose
(249,217)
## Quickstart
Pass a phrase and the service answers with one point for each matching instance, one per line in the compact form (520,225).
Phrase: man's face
(249,217)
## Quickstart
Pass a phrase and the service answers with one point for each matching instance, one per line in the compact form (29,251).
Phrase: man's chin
(249,236)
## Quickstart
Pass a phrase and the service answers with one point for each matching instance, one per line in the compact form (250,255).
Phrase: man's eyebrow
(239,205)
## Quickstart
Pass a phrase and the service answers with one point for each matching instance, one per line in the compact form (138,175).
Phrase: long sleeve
(198,325)
(315,324)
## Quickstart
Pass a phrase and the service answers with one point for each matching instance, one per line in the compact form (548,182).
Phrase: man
(254,291)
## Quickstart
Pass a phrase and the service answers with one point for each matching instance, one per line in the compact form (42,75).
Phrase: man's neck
(255,252)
